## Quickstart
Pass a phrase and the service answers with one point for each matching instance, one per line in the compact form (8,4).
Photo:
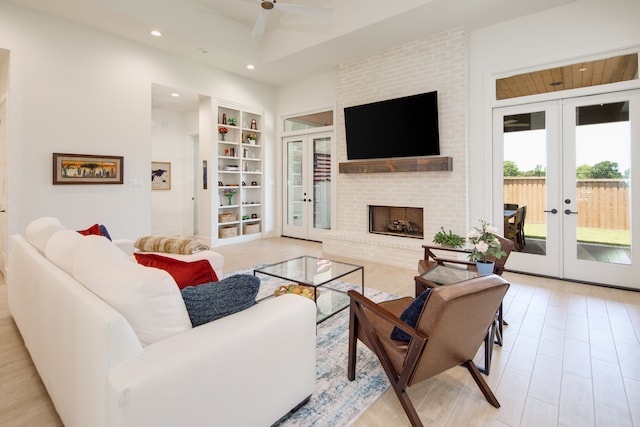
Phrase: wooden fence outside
(602,203)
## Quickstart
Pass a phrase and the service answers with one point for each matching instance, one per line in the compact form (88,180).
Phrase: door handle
(553,211)
(569,212)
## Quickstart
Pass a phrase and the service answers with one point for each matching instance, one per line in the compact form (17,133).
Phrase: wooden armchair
(431,258)
(448,333)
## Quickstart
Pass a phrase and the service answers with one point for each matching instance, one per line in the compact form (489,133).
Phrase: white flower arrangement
(484,242)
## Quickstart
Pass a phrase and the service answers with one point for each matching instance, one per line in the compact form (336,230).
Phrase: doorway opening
(175,125)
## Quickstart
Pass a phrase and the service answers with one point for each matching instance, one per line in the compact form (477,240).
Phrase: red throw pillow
(94,229)
(184,273)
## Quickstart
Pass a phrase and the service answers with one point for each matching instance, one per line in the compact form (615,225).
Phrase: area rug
(336,401)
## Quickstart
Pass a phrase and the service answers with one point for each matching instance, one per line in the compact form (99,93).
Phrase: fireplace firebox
(396,221)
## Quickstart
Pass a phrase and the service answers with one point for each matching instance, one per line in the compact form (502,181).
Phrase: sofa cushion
(212,301)
(410,316)
(172,245)
(147,297)
(40,230)
(183,272)
(61,249)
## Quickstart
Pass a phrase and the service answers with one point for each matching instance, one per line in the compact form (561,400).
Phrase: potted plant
(223,131)
(229,192)
(449,239)
(484,244)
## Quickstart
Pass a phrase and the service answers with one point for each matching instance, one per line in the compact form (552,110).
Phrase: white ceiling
(218,32)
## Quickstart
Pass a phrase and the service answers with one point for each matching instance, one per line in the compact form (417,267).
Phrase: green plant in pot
(485,244)
(449,239)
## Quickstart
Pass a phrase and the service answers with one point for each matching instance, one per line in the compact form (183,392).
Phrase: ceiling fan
(268,5)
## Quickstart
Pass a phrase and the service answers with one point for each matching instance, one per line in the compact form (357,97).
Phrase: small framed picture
(161,175)
(87,169)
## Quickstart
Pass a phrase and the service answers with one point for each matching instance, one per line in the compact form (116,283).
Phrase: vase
(229,196)
(484,267)
(222,137)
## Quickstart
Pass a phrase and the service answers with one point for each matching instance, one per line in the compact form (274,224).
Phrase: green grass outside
(585,235)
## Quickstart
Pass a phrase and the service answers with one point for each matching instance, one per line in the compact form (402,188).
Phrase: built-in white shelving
(240,172)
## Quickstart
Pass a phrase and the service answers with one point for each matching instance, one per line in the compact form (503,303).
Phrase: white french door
(307,185)
(570,162)
(527,172)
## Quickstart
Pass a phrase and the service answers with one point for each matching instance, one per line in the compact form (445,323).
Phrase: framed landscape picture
(161,175)
(87,169)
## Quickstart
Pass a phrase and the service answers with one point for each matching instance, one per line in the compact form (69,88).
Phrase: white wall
(564,35)
(312,94)
(75,90)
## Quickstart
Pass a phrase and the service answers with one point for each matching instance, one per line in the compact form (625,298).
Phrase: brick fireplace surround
(438,63)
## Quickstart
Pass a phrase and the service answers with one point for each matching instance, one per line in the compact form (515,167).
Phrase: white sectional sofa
(114,346)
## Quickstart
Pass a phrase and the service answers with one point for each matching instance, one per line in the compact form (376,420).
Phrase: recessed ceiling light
(582,69)
(156,33)
(175,95)
(251,67)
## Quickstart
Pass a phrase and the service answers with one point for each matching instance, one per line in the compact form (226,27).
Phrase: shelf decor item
(87,169)
(484,244)
(228,231)
(226,217)
(229,192)
(254,124)
(223,131)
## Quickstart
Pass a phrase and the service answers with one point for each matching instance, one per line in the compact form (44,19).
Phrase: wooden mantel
(413,164)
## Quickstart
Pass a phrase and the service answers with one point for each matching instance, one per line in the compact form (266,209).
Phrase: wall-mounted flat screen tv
(401,127)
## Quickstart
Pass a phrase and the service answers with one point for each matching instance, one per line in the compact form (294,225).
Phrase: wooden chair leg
(408,407)
(353,342)
(501,322)
(484,387)
(489,341)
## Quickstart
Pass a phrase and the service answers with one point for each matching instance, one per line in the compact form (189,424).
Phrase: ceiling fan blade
(313,12)
(261,23)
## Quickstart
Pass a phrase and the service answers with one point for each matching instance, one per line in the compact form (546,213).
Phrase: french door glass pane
(603,168)
(295,207)
(525,181)
(322,183)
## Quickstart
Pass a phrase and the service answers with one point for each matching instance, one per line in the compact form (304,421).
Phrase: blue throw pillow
(410,316)
(104,231)
(212,301)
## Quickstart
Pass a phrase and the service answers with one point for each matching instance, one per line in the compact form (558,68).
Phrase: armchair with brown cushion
(448,332)
(432,257)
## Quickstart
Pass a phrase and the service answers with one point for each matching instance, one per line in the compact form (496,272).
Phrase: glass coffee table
(321,276)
